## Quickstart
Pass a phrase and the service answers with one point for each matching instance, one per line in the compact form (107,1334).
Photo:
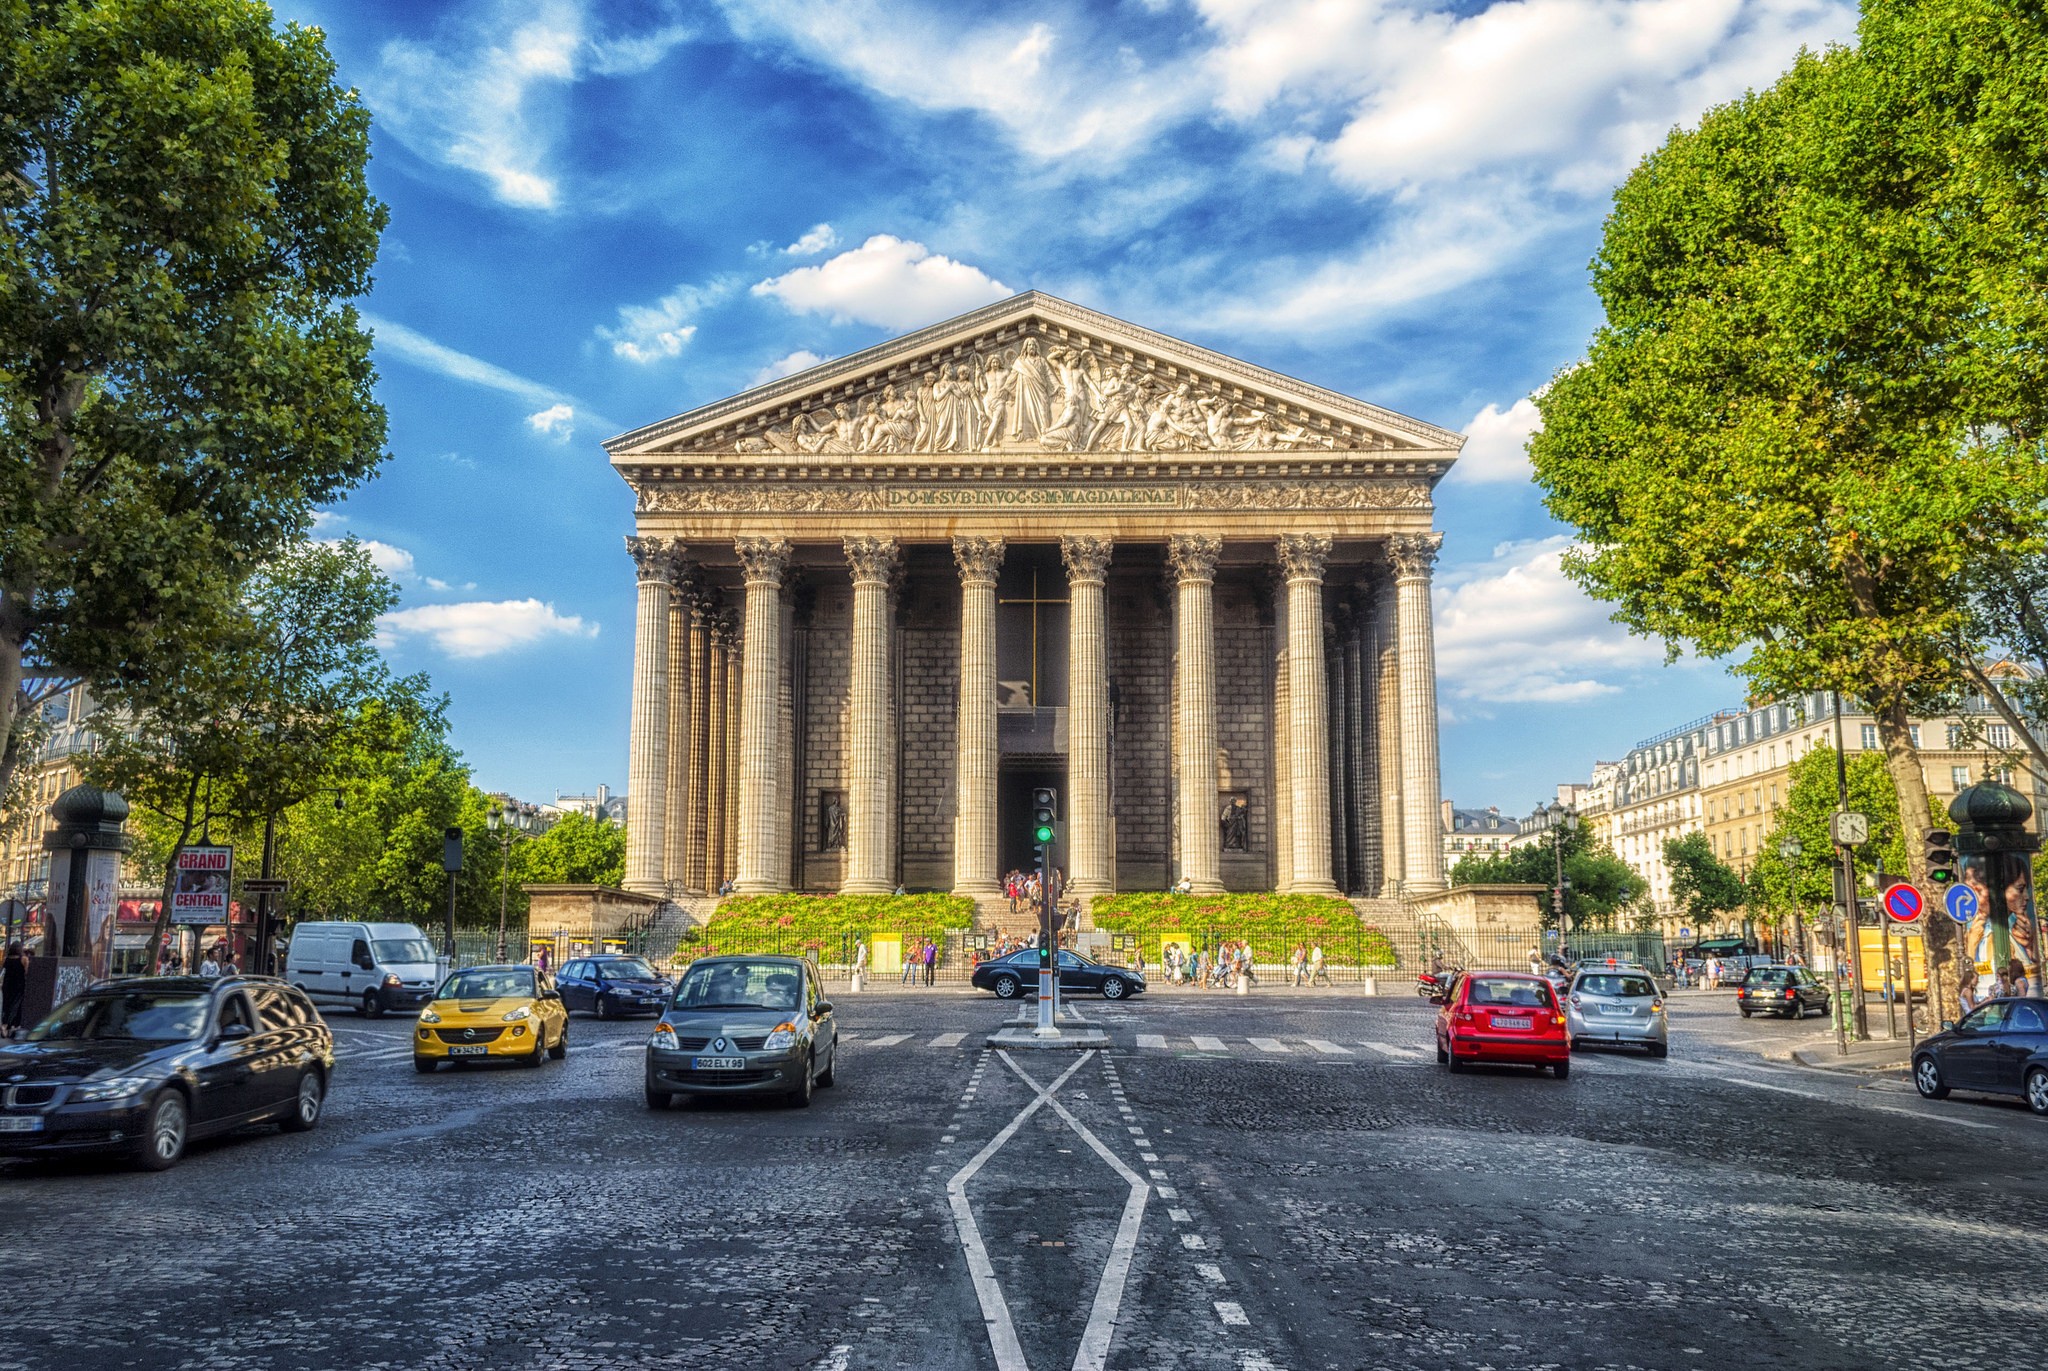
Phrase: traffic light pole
(1044,832)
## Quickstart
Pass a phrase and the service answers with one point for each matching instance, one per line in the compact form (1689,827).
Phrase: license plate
(21,1125)
(1511,1023)
(470,1050)
(718,1063)
(1617,1010)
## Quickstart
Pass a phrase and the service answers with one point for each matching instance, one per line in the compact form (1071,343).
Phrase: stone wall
(1244,720)
(828,669)
(584,911)
(1141,671)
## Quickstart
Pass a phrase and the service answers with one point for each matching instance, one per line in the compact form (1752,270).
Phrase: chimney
(1450,818)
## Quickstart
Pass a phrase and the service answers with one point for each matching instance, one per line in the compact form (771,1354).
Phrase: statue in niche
(1031,396)
(831,821)
(1236,824)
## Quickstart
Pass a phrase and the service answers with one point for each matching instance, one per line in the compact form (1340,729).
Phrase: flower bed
(795,924)
(1272,923)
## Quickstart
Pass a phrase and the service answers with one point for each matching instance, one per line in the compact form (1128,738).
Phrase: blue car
(614,985)
(2000,1048)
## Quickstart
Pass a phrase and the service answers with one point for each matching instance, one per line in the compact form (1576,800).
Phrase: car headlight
(664,1037)
(119,1087)
(782,1035)
(393,981)
(429,1016)
(523,1012)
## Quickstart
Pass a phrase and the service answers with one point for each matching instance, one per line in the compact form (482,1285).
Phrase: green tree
(1703,885)
(1818,392)
(575,850)
(1603,887)
(184,216)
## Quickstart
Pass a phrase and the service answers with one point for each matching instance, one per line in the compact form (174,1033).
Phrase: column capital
(1193,556)
(1303,555)
(763,559)
(979,559)
(1413,554)
(656,559)
(873,559)
(725,630)
(1087,559)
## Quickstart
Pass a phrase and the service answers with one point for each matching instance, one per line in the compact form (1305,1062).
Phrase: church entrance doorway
(1014,785)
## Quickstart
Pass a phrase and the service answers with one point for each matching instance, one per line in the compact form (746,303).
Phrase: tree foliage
(1810,801)
(184,217)
(1703,885)
(575,850)
(1603,887)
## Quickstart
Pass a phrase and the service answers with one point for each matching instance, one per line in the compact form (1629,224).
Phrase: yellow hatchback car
(486,1012)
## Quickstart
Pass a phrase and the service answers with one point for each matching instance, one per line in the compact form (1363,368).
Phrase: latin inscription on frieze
(1031,497)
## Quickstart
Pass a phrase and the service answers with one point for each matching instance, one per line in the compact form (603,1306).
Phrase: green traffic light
(1043,833)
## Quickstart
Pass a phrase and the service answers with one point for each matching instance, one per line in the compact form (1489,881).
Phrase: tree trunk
(1938,934)
(163,907)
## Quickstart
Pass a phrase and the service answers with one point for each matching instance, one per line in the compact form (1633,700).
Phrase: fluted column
(1193,559)
(1087,562)
(1283,751)
(697,812)
(1387,728)
(1302,557)
(1333,741)
(869,707)
(729,795)
(975,853)
(1361,773)
(784,856)
(717,754)
(764,560)
(1422,850)
(676,823)
(654,559)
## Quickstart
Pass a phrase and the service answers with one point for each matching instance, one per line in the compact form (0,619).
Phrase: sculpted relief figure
(956,410)
(995,399)
(1031,395)
(1072,423)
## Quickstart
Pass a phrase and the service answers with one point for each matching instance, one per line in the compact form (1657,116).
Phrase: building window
(1913,732)
(1956,736)
(1958,778)
(2002,775)
(2000,736)
(1869,739)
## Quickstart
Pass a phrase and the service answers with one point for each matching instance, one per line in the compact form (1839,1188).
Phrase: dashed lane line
(1328,1049)
(1269,1044)
(1205,1044)
(948,1040)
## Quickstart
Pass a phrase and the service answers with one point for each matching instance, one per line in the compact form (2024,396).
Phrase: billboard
(1998,936)
(199,890)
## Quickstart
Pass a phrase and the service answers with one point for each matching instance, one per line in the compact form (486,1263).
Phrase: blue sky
(606,213)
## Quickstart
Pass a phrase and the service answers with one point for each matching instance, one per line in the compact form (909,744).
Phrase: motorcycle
(1436,986)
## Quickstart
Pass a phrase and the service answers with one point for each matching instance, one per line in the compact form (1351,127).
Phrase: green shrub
(1272,923)
(797,923)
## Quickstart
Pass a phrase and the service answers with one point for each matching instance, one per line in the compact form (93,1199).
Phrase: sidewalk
(1877,1057)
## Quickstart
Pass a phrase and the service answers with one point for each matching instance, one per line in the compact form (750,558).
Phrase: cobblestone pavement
(1285,1180)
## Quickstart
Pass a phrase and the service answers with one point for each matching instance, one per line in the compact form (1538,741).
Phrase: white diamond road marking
(1209,1044)
(1192,1241)
(1232,1312)
(1328,1049)
(1269,1044)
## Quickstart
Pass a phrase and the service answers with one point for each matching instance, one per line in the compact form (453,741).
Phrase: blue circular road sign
(1961,903)
(1903,902)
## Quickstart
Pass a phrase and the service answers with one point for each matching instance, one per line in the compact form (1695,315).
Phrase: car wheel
(540,1049)
(424,1065)
(1113,988)
(1745,1011)
(1563,1069)
(831,1066)
(658,1099)
(163,1137)
(2037,1090)
(370,1008)
(599,1007)
(561,1047)
(1006,987)
(305,1111)
(1441,1055)
(1927,1079)
(1660,1050)
(800,1098)
(1451,1059)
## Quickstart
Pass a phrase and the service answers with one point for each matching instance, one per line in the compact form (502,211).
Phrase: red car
(1502,1016)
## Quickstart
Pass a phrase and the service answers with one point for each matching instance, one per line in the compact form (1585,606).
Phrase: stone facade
(1221,654)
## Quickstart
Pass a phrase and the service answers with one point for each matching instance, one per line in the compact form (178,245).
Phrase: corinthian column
(647,769)
(729,793)
(1087,562)
(717,755)
(764,561)
(1387,728)
(1201,845)
(974,835)
(676,823)
(868,761)
(1422,850)
(698,803)
(1302,557)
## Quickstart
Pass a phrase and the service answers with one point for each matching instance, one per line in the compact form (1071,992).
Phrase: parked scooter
(1436,985)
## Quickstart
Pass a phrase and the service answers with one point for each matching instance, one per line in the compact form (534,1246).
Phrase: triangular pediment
(1031,374)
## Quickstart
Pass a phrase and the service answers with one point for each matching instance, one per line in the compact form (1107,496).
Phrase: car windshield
(511,983)
(1501,990)
(626,969)
(740,985)
(1775,975)
(125,1016)
(1622,987)
(397,950)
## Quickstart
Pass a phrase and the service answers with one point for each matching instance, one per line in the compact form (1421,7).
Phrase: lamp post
(1790,849)
(510,827)
(1562,820)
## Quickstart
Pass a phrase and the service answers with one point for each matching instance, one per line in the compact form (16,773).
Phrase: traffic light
(1045,805)
(1941,857)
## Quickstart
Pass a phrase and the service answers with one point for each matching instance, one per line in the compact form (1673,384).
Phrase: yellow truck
(1909,960)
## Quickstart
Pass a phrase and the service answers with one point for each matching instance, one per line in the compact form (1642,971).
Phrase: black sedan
(143,1066)
(1791,992)
(2000,1048)
(612,985)
(1017,974)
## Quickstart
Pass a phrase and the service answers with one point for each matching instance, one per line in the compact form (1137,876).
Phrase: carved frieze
(740,497)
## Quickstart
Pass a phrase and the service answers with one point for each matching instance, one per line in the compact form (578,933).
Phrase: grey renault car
(743,1025)
(1616,1006)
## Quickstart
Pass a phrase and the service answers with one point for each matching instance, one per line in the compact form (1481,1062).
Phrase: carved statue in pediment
(1031,395)
(895,427)
(996,385)
(1073,421)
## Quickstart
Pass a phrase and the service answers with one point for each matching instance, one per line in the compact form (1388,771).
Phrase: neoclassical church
(882,599)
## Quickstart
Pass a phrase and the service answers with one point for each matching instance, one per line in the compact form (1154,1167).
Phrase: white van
(365,967)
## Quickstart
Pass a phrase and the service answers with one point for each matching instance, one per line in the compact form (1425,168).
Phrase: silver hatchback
(1617,1006)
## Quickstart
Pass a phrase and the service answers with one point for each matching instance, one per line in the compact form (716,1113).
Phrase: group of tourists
(2013,980)
(1025,888)
(920,963)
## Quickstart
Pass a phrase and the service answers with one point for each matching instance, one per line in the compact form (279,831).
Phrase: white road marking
(1180,1216)
(1192,1241)
(1093,1352)
(1210,1271)
(1389,1050)
(886,1040)
(1328,1049)
(1232,1312)
(1269,1044)
(1209,1044)
(1154,1041)
(948,1040)
(836,1359)
(1256,1361)
(1165,1192)
(1002,1333)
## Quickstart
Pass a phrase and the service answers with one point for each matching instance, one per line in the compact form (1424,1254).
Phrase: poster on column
(1998,940)
(102,900)
(199,887)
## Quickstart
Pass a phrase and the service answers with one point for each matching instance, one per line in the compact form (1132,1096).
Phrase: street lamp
(1790,849)
(510,828)
(1563,820)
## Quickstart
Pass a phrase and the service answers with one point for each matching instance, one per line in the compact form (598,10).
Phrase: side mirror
(235,1032)
(1948,1024)
(551,994)
(821,1009)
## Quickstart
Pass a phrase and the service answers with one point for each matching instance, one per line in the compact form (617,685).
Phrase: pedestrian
(209,968)
(1711,974)
(2016,977)
(910,956)
(1184,886)
(931,961)
(1316,968)
(1793,958)
(13,990)
(1297,962)
(227,961)
(860,963)
(1245,968)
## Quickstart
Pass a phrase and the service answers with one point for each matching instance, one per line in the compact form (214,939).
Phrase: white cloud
(484,95)
(649,333)
(800,360)
(556,422)
(1495,444)
(820,238)
(409,346)
(888,282)
(483,628)
(394,562)
(324,519)
(1513,629)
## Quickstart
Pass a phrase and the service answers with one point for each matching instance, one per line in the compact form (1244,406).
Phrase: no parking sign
(1903,903)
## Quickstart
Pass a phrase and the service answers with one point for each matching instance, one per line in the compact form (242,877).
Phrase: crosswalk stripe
(1209,1044)
(1152,1040)
(1389,1050)
(1269,1044)
(1328,1049)
(948,1040)
(886,1040)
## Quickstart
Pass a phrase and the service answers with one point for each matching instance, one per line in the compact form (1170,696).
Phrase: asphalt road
(1284,1180)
